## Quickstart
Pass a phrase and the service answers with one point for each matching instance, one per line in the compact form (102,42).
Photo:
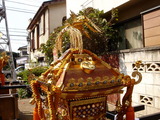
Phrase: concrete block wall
(148,91)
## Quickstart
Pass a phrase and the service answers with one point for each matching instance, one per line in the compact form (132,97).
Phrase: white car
(19,69)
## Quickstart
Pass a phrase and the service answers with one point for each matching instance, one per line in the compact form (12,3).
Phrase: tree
(96,32)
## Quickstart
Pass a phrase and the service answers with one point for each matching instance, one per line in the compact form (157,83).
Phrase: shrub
(24,75)
(37,71)
(25,93)
(22,93)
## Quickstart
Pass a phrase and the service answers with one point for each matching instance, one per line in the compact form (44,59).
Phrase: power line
(19,35)
(15,31)
(20,43)
(11,61)
(20,11)
(21,40)
(13,28)
(14,35)
(22,3)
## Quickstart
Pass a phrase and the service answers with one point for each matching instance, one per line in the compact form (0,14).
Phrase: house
(106,5)
(23,56)
(48,17)
(139,29)
(1,50)
(23,51)
(140,40)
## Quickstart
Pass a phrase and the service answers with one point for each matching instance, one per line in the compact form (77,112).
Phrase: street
(25,109)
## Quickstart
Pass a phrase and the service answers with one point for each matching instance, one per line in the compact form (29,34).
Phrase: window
(24,53)
(37,41)
(32,40)
(42,24)
(131,34)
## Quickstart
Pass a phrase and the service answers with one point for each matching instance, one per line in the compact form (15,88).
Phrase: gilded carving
(97,79)
(105,78)
(84,94)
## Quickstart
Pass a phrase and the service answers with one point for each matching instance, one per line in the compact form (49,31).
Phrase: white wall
(53,19)
(106,5)
(147,91)
(56,13)
(22,60)
(44,37)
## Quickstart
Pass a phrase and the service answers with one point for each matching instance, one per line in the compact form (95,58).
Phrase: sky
(18,14)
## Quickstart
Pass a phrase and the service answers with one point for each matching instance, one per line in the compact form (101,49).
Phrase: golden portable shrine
(75,87)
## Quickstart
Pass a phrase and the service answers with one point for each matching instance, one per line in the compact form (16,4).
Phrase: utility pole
(7,40)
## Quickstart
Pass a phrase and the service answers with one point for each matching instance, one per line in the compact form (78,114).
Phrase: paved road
(25,109)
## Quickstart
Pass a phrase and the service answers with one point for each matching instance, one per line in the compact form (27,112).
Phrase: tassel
(35,114)
(130,113)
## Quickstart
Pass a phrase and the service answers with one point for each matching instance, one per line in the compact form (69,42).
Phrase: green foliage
(98,43)
(23,93)
(47,48)
(24,75)
(36,71)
